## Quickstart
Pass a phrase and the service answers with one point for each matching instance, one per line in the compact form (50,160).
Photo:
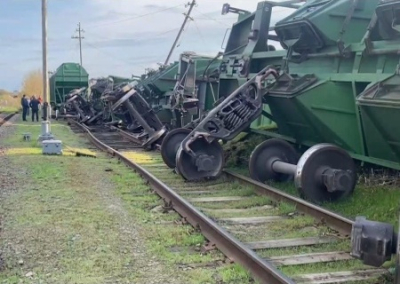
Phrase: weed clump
(238,151)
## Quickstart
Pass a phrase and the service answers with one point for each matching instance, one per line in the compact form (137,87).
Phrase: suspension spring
(237,116)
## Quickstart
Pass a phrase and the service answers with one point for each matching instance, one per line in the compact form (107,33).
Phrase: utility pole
(44,55)
(45,133)
(187,16)
(79,37)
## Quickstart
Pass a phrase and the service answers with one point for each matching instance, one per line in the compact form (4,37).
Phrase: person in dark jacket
(34,104)
(25,107)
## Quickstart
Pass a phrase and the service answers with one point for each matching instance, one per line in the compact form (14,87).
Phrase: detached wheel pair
(208,161)
(170,145)
(324,173)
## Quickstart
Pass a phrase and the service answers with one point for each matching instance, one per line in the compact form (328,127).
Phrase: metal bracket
(209,246)
(226,8)
(167,207)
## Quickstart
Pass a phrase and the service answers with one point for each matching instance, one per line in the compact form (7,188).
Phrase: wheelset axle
(323,173)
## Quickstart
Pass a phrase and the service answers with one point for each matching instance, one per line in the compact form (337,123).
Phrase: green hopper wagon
(68,76)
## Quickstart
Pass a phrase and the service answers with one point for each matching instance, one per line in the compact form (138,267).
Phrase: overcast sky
(122,37)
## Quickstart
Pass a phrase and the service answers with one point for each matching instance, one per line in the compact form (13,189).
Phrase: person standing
(25,107)
(29,103)
(34,104)
(40,103)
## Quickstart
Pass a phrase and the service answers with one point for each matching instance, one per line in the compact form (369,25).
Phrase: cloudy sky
(122,37)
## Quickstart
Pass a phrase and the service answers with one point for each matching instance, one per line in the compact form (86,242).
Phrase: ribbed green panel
(68,76)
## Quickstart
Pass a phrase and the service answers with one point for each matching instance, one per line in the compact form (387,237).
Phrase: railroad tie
(339,277)
(286,243)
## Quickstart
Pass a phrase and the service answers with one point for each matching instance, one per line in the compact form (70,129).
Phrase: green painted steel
(159,82)
(339,78)
(380,112)
(240,60)
(196,83)
(67,77)
(175,87)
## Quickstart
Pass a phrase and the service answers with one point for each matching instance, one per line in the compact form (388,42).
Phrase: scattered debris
(29,274)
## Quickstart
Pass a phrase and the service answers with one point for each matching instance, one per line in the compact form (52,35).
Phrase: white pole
(46,134)
(44,49)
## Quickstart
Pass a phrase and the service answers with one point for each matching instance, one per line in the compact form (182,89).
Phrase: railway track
(4,117)
(272,234)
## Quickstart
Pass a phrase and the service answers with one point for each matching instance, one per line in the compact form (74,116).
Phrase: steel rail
(127,135)
(6,118)
(235,250)
(333,220)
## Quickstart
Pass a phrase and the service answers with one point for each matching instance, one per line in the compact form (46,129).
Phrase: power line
(107,38)
(137,17)
(79,37)
(200,33)
(110,54)
(206,16)
(211,18)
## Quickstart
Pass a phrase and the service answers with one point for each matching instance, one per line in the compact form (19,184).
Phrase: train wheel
(263,156)
(170,145)
(208,162)
(325,173)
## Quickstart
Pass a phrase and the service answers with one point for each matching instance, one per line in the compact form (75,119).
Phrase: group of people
(32,103)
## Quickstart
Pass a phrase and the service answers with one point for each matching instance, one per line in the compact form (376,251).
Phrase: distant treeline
(31,85)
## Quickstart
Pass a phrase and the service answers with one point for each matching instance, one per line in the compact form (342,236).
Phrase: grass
(63,225)
(8,103)
(60,129)
(376,203)
(9,109)
(70,222)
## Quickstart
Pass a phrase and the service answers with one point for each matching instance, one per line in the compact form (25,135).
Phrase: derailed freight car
(332,92)
(66,78)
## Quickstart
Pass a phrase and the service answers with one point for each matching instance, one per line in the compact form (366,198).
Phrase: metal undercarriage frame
(76,105)
(142,120)
(199,154)
(234,114)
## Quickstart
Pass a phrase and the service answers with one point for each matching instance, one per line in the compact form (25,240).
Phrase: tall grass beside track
(8,103)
